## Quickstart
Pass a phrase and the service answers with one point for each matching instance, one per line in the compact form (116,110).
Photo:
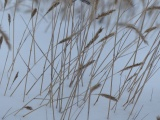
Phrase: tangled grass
(85,45)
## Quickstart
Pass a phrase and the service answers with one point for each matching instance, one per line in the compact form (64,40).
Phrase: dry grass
(4,35)
(158,118)
(79,52)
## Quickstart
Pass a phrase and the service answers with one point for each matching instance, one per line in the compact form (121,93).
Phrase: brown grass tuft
(136,29)
(158,117)
(94,87)
(5,38)
(153,8)
(55,4)
(106,37)
(94,38)
(86,1)
(33,13)
(134,65)
(105,14)
(108,97)
(1,40)
(150,29)
(9,19)
(86,65)
(28,107)
(16,76)
(5,3)
(67,38)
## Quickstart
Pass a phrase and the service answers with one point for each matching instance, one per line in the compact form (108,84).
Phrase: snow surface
(147,107)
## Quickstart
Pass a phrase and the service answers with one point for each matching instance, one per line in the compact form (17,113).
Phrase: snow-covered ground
(26,100)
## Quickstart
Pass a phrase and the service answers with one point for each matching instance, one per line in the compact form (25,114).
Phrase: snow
(15,99)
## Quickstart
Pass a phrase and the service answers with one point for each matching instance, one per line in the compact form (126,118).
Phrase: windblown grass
(79,52)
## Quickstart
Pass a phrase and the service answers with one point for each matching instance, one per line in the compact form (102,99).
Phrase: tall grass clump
(70,54)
